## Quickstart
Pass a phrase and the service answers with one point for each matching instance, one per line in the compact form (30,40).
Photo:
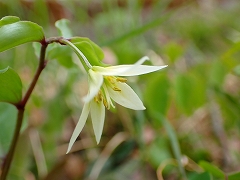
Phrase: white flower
(105,86)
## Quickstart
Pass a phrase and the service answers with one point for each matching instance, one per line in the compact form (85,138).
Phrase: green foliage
(11,86)
(213,170)
(158,151)
(237,70)
(7,124)
(62,54)
(199,42)
(217,73)
(155,101)
(234,176)
(173,51)
(200,176)
(8,20)
(14,32)
(190,92)
(173,140)
(92,51)
(63,28)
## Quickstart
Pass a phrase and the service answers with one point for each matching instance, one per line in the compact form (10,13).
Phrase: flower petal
(128,70)
(126,97)
(97,116)
(141,69)
(79,126)
(95,83)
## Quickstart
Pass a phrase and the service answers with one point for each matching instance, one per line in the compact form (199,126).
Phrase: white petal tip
(161,67)
(138,108)
(68,150)
(142,108)
(98,141)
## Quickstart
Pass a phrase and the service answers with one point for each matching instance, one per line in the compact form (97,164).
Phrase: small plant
(104,83)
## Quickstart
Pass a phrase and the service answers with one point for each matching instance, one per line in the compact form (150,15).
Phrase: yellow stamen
(111,79)
(116,89)
(99,97)
(120,79)
(105,104)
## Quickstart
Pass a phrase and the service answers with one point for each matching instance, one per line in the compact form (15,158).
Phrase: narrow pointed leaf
(10,86)
(14,33)
(212,169)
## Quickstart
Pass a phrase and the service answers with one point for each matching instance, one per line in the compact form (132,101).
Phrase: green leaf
(173,51)
(62,54)
(234,176)
(157,93)
(8,114)
(11,86)
(236,70)
(14,32)
(217,73)
(212,169)
(158,151)
(184,88)
(63,27)
(201,176)
(190,91)
(173,139)
(91,50)
(8,20)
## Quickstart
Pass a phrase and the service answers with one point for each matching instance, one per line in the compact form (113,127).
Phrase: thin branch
(21,107)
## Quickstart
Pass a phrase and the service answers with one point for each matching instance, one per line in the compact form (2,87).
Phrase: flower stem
(79,53)
(21,107)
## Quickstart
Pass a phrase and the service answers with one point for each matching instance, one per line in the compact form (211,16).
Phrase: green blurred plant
(198,94)
(104,86)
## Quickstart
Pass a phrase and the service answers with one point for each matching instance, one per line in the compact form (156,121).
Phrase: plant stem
(21,107)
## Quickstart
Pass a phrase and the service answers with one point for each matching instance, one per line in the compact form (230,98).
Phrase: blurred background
(193,106)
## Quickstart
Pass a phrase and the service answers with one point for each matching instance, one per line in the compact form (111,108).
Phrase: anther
(116,89)
(111,79)
(105,103)
(98,98)
(123,80)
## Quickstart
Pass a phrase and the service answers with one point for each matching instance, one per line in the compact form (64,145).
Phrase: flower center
(103,94)
(112,82)
(99,97)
